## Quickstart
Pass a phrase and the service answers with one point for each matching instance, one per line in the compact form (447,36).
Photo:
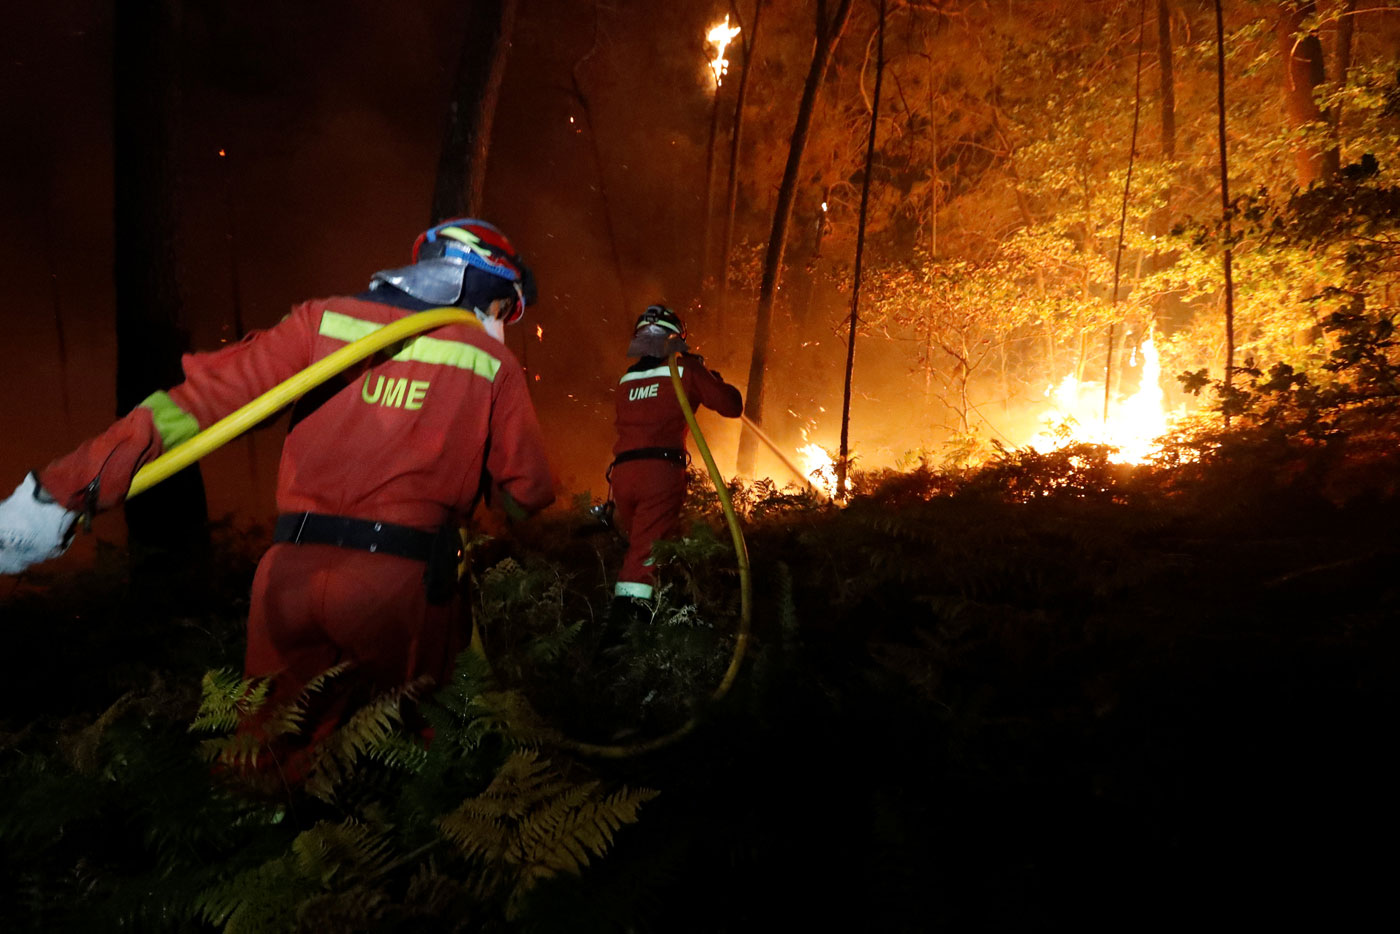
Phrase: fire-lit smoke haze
(307,146)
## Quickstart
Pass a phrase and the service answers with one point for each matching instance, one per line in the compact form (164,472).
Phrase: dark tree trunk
(843,461)
(1302,72)
(828,35)
(169,523)
(1123,216)
(736,133)
(471,109)
(1225,209)
(1162,221)
(706,222)
(576,82)
(1167,80)
(1346,27)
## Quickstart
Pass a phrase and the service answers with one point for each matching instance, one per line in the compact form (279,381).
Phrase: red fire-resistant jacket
(648,413)
(407,440)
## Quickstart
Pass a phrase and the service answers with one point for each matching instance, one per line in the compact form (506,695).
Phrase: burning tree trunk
(471,109)
(828,35)
(843,462)
(1303,71)
(736,133)
(171,520)
(719,36)
(1225,210)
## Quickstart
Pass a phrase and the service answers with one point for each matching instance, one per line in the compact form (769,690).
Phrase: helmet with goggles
(659,331)
(465,262)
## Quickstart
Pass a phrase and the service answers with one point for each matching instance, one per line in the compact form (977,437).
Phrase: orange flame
(820,467)
(539,332)
(1134,424)
(719,36)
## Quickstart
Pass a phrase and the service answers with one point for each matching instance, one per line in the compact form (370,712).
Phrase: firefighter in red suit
(379,466)
(648,472)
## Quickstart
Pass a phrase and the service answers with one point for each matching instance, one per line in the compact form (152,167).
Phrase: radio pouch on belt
(440,576)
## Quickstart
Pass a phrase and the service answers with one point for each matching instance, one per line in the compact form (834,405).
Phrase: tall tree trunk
(471,109)
(1302,72)
(1346,27)
(1166,89)
(843,462)
(1123,216)
(577,83)
(168,524)
(828,35)
(1167,95)
(1225,210)
(706,221)
(736,132)
(1166,79)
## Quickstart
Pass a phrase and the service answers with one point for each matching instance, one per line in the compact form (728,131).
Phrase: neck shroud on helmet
(659,331)
(465,262)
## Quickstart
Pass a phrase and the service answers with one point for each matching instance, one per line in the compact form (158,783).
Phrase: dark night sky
(331,115)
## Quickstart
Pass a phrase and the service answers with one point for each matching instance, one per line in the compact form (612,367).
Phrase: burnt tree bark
(169,523)
(829,30)
(471,109)
(1303,71)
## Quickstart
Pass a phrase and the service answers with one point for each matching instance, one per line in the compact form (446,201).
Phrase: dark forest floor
(1047,698)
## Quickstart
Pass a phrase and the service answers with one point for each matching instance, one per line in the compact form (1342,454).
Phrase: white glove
(33,527)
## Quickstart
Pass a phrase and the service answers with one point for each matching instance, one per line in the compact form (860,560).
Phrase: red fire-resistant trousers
(648,495)
(315,606)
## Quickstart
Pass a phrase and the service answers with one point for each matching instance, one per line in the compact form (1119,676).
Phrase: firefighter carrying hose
(648,472)
(379,467)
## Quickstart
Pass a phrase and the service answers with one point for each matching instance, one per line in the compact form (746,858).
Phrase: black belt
(674,455)
(313,528)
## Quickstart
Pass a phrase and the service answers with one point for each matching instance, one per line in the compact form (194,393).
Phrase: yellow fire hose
(741,639)
(288,391)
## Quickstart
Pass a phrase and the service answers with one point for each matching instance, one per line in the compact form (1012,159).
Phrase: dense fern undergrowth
(1049,691)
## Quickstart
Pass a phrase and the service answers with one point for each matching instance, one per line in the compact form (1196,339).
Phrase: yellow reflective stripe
(345,328)
(174,424)
(633,589)
(653,373)
(450,353)
(432,350)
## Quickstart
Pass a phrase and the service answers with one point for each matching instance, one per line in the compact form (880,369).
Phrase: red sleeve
(223,381)
(98,474)
(516,458)
(709,389)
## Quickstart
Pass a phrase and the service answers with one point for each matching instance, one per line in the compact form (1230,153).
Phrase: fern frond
(226,699)
(370,730)
(238,750)
(257,900)
(348,850)
(532,823)
(288,719)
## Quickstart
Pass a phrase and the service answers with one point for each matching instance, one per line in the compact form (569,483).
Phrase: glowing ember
(1133,423)
(719,36)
